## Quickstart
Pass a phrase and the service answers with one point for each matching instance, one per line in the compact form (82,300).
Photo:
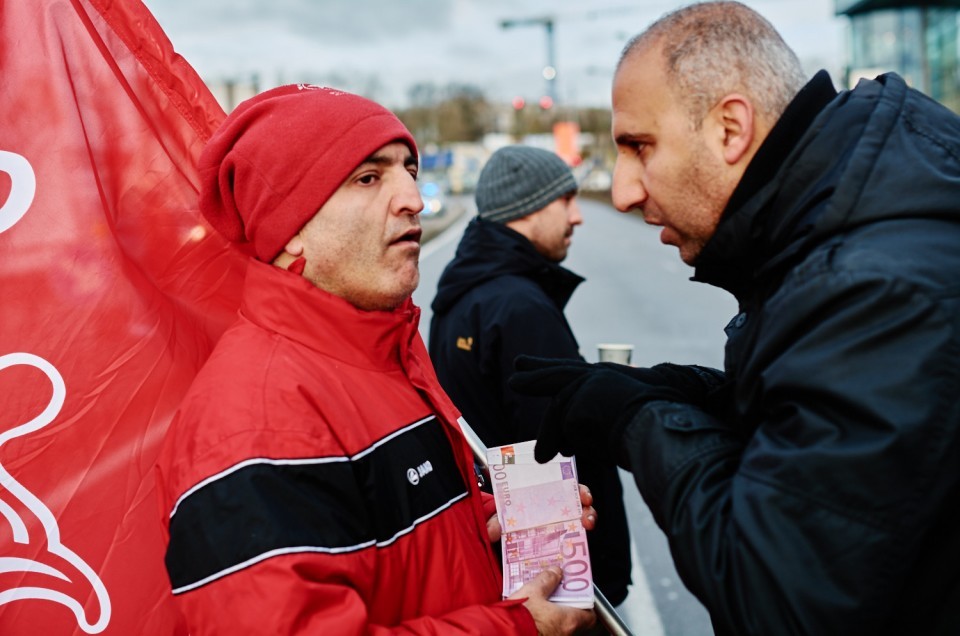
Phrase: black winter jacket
(825,498)
(496,299)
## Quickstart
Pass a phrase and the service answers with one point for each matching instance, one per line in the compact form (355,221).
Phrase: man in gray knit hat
(503,295)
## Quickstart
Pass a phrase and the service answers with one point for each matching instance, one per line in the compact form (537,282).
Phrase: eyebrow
(378,159)
(629,138)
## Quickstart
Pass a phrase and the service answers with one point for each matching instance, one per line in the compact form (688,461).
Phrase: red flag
(113,290)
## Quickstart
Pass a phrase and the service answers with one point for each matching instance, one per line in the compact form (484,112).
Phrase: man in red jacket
(315,478)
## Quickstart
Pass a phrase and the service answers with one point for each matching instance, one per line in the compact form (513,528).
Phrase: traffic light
(518,103)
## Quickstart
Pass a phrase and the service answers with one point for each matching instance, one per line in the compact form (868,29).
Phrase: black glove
(591,404)
(697,384)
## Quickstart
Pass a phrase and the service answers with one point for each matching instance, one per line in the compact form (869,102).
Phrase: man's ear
(294,246)
(734,119)
(292,251)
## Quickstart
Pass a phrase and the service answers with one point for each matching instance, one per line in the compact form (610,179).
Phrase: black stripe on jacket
(262,508)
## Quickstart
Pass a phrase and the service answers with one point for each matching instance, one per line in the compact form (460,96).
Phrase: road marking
(451,233)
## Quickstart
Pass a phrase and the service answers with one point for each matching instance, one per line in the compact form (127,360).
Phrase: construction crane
(550,70)
(548,21)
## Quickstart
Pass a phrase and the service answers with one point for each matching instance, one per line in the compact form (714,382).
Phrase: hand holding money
(539,509)
(552,619)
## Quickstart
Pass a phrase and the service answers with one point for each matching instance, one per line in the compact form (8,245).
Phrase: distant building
(231,91)
(915,38)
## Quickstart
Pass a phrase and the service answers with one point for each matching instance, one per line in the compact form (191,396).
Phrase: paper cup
(611,352)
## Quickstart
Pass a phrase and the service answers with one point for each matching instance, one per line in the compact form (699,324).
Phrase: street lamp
(550,70)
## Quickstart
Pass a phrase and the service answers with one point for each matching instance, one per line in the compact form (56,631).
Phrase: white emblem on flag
(24,512)
(23,186)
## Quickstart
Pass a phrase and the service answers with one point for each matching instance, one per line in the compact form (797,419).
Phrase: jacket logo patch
(465,343)
(414,474)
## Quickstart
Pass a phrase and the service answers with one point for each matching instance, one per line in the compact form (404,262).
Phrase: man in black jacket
(813,486)
(503,295)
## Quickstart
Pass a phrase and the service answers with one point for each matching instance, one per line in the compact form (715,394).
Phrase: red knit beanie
(280,155)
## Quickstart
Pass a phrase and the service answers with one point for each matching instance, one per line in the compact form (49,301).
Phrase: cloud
(382,47)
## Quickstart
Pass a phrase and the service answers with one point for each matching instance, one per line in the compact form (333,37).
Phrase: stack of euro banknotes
(539,509)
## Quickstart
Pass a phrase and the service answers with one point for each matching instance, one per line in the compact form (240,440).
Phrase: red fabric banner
(112,292)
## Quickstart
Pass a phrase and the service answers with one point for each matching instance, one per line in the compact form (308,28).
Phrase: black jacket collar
(729,258)
(783,137)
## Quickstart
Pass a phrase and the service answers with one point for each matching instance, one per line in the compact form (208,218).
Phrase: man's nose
(627,192)
(575,217)
(407,199)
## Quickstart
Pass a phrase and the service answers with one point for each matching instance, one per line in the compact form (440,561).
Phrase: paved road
(637,292)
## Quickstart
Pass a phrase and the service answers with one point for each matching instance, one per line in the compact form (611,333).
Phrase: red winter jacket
(316,482)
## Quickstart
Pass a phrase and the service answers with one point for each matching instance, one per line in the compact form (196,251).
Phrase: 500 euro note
(540,512)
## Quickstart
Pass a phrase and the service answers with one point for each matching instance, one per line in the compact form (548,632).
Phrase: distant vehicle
(432,195)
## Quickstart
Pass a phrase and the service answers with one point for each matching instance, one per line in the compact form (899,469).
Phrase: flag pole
(606,614)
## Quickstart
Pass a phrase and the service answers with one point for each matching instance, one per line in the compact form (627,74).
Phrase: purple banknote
(540,512)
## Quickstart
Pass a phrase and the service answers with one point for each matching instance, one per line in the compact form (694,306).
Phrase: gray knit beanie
(519,180)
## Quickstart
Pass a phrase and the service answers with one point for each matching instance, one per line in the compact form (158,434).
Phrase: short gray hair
(711,49)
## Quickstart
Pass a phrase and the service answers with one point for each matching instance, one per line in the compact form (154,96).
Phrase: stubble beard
(705,202)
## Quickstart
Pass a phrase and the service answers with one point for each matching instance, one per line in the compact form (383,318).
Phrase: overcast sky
(382,47)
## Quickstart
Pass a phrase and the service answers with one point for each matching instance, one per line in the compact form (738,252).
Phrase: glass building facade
(917,40)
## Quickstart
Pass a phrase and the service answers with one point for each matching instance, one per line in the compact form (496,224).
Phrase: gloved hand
(697,384)
(590,407)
